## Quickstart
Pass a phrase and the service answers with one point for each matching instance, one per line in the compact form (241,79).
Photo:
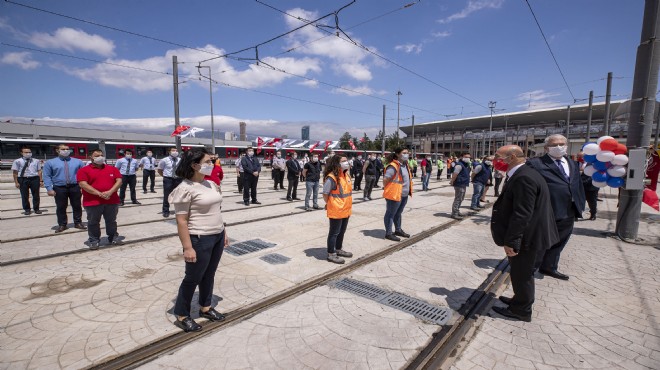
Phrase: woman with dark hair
(197,204)
(337,193)
(398,186)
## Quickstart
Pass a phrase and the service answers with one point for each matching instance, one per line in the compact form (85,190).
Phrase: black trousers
(130,181)
(208,249)
(94,214)
(63,196)
(278,177)
(292,189)
(358,181)
(250,187)
(378,173)
(239,182)
(550,260)
(369,183)
(522,281)
(592,201)
(169,184)
(336,233)
(439,173)
(148,175)
(498,182)
(27,185)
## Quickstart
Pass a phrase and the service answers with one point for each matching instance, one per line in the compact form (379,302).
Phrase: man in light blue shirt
(127,166)
(148,166)
(27,178)
(59,176)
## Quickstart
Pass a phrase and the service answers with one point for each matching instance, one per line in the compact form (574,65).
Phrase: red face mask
(500,165)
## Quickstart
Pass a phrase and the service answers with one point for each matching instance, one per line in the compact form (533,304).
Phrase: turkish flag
(650,198)
(362,139)
(313,146)
(260,143)
(350,142)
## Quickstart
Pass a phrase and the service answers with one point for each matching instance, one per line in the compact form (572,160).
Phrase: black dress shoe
(392,238)
(296,198)
(188,325)
(592,217)
(37,211)
(136,202)
(246,203)
(289,199)
(505,300)
(599,200)
(506,313)
(121,203)
(80,226)
(153,191)
(61,228)
(402,233)
(166,214)
(256,202)
(27,213)
(555,274)
(212,315)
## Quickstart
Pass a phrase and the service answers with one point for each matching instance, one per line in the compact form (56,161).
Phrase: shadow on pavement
(318,253)
(455,298)
(375,233)
(590,232)
(486,263)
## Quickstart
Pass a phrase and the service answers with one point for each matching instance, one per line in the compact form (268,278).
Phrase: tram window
(82,151)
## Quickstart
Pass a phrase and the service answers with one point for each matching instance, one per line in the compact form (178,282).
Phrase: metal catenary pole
(175,77)
(398,104)
(640,121)
(568,129)
(587,135)
(608,98)
(382,152)
(413,136)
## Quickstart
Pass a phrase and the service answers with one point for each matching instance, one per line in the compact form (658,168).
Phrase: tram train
(45,149)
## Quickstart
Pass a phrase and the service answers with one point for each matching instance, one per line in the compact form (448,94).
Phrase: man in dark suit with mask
(562,175)
(523,223)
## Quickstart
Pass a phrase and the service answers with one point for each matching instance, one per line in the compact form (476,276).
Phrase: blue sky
(481,49)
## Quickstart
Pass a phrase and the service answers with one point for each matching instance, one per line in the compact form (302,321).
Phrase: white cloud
(22,60)
(140,80)
(471,7)
(73,39)
(357,90)
(309,83)
(442,34)
(409,48)
(347,59)
(538,99)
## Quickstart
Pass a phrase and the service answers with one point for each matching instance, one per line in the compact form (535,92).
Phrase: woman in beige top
(197,204)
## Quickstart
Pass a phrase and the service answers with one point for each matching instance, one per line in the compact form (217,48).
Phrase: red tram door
(78,150)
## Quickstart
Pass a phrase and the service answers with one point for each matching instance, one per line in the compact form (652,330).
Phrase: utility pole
(175,77)
(382,152)
(640,121)
(398,103)
(568,129)
(657,129)
(491,105)
(591,109)
(443,137)
(483,144)
(413,135)
(506,126)
(211,96)
(608,98)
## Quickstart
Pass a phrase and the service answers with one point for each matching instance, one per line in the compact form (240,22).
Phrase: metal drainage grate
(248,246)
(275,259)
(413,306)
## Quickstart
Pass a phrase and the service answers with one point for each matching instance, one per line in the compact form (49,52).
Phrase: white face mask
(99,160)
(295,156)
(557,151)
(206,169)
(149,155)
(467,160)
(27,156)
(279,155)
(488,163)
(174,154)
(128,156)
(345,166)
(359,158)
(65,152)
(250,154)
(315,159)
(404,157)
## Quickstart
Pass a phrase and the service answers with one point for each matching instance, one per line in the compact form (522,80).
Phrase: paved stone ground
(605,317)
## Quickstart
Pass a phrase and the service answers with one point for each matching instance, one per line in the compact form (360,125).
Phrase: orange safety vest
(340,200)
(394,188)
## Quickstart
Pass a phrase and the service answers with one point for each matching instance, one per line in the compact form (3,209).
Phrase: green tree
(364,143)
(343,141)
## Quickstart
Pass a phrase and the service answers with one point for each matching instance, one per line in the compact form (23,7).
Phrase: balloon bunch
(607,162)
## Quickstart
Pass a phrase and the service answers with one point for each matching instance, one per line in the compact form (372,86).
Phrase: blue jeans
(311,187)
(476,195)
(209,249)
(393,214)
(425,181)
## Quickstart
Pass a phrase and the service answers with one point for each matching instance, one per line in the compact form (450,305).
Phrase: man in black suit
(293,174)
(523,223)
(562,174)
(251,171)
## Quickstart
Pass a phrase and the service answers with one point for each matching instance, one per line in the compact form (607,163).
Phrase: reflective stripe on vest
(394,187)
(340,201)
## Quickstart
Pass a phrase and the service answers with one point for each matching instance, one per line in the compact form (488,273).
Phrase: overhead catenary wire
(550,49)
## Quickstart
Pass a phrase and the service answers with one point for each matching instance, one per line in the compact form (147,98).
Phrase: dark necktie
(151,161)
(128,167)
(561,169)
(66,171)
(27,163)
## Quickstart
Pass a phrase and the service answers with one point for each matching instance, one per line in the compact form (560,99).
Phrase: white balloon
(589,170)
(599,184)
(591,149)
(602,138)
(616,171)
(620,160)
(605,155)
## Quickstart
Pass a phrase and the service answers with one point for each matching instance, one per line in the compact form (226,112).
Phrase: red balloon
(609,144)
(620,149)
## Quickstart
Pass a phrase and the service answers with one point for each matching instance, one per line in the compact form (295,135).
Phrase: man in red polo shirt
(99,184)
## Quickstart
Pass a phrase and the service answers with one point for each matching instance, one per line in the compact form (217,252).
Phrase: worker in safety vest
(337,193)
(398,186)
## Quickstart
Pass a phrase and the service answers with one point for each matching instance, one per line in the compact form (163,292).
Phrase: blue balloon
(600,176)
(600,166)
(615,182)
(589,158)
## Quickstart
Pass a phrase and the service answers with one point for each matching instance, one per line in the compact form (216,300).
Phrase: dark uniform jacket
(522,216)
(563,194)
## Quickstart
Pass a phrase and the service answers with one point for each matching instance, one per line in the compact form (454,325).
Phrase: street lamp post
(398,111)
(491,106)
(211,97)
